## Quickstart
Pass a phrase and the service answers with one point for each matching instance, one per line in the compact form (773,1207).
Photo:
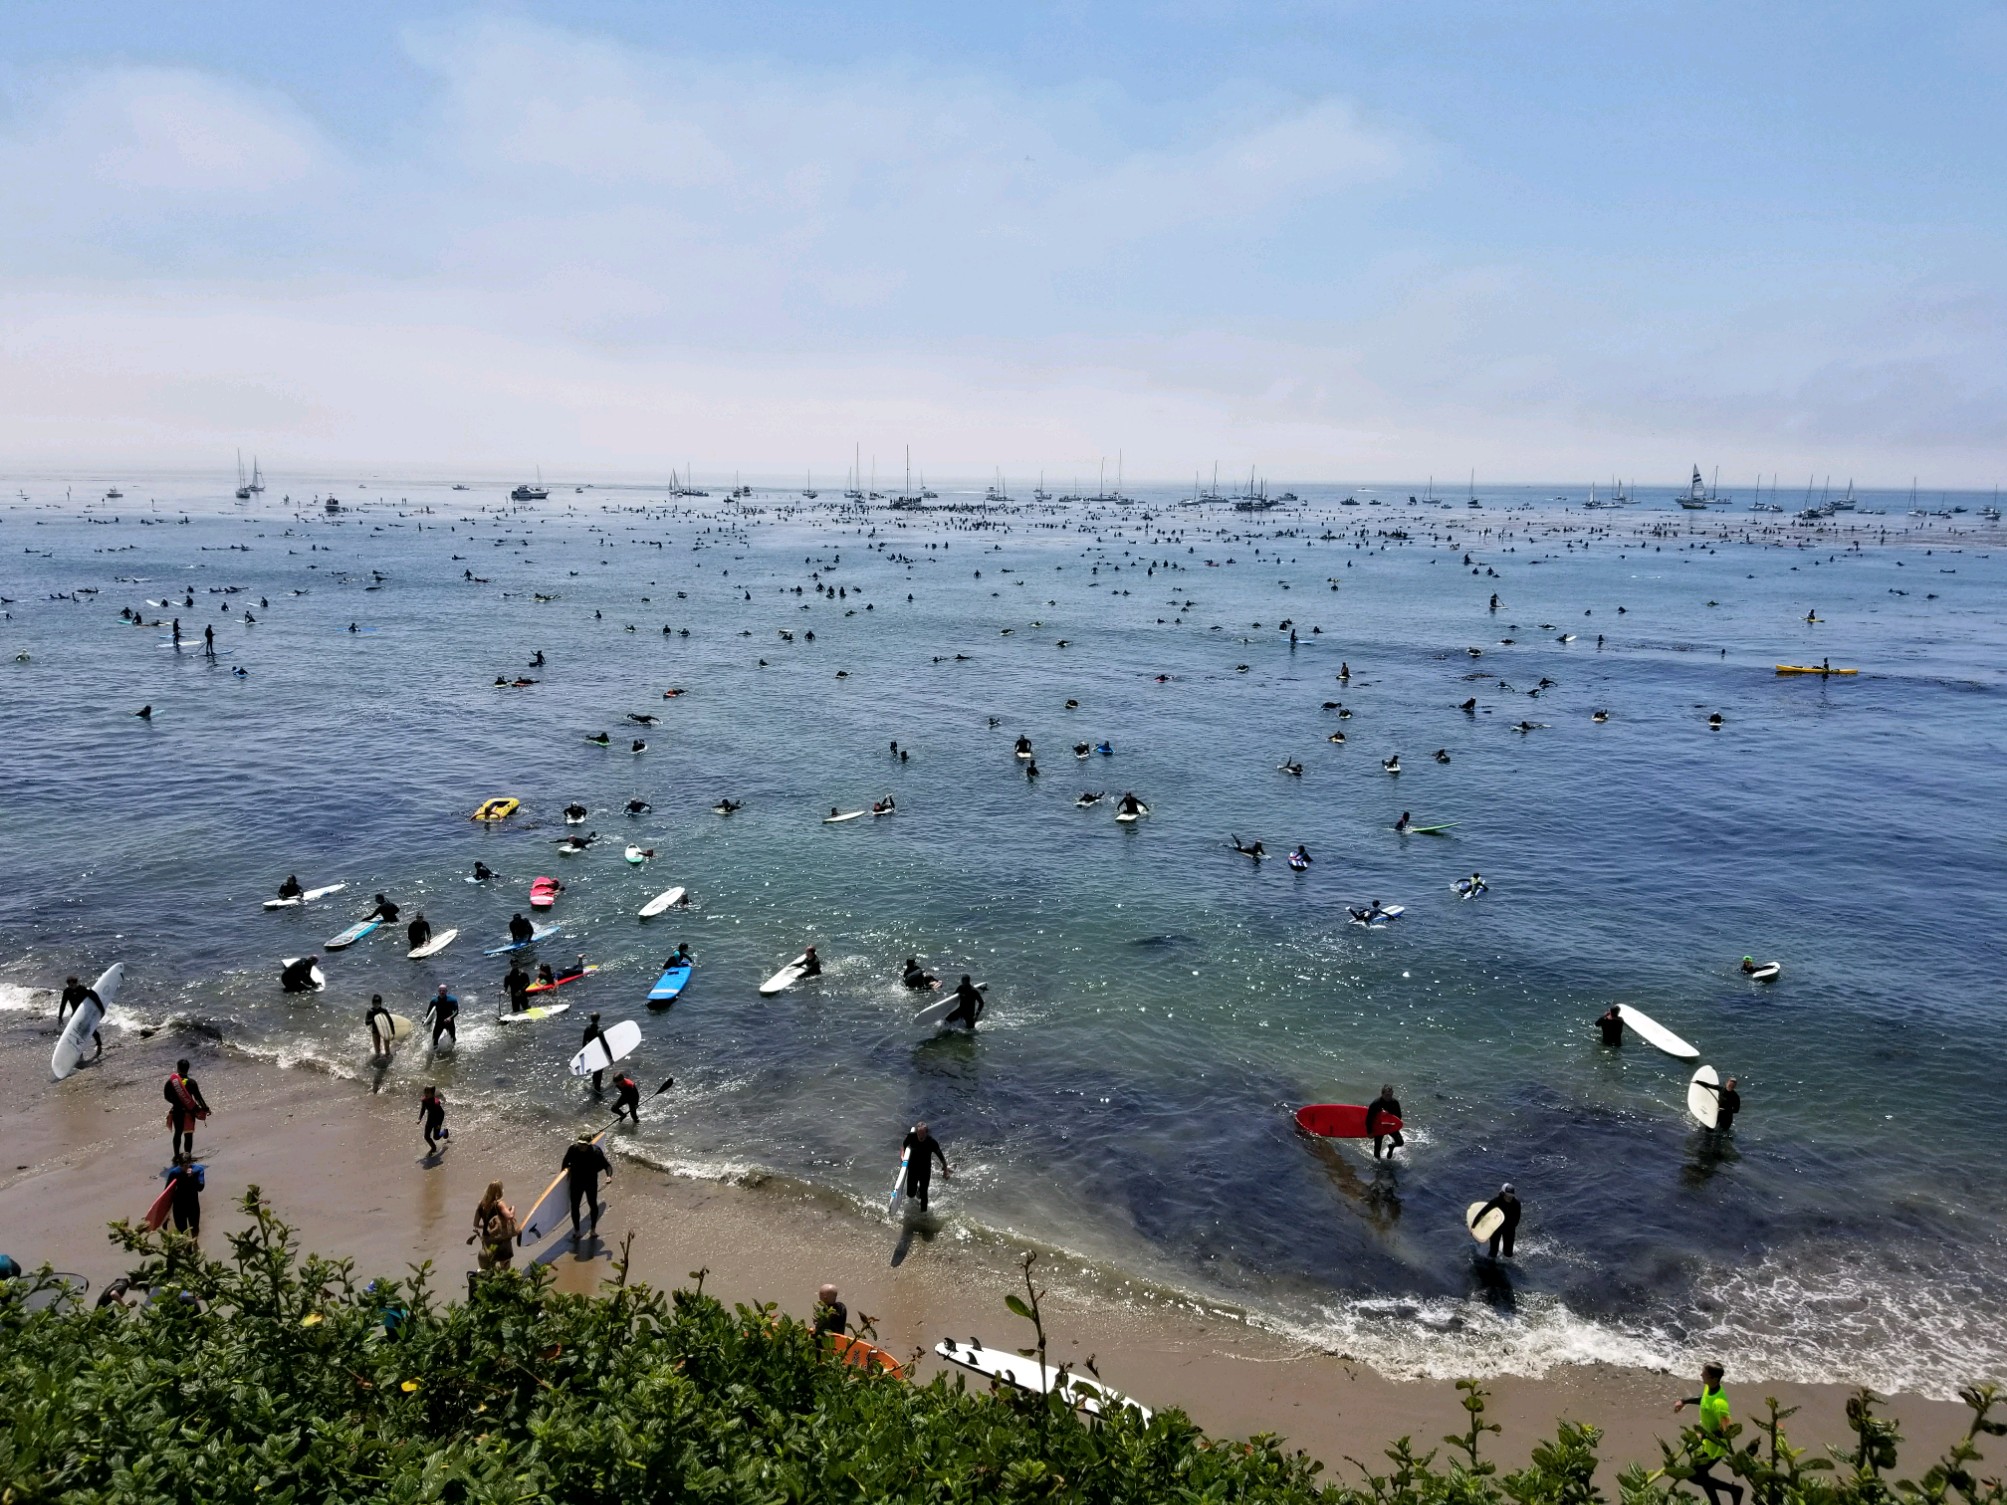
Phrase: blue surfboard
(670,984)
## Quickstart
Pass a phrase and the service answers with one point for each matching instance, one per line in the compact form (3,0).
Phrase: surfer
(726,807)
(1386,1105)
(482,872)
(298,974)
(75,995)
(627,1098)
(1471,887)
(1128,805)
(376,1019)
(1023,748)
(1727,1103)
(419,931)
(1254,851)
(885,806)
(1393,764)
(922,1150)
(1714,1423)
(584,1163)
(517,986)
(639,807)
(1300,858)
(639,746)
(185,1180)
(1748,965)
(443,1013)
(545,977)
(432,1113)
(917,977)
(185,1108)
(384,911)
(811,964)
(1031,769)
(521,931)
(1506,1202)
(537,662)
(1611,1024)
(601,739)
(969,1004)
(290,889)
(575,812)
(593,1032)
(1291,767)
(1401,825)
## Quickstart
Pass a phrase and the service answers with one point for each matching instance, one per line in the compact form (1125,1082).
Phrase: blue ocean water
(1159,1004)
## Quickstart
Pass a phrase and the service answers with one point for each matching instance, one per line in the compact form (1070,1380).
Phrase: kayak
(558,982)
(1812,669)
(670,985)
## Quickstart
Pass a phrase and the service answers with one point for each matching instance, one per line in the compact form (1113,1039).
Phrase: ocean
(1158,1004)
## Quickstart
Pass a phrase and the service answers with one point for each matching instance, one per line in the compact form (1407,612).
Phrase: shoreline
(344,1167)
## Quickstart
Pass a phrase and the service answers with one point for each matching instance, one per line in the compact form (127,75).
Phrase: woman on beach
(495,1227)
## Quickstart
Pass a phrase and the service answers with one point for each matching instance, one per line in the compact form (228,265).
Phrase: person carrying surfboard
(1386,1105)
(922,1150)
(1714,1439)
(75,995)
(969,1004)
(376,1018)
(583,1164)
(593,1032)
(185,1108)
(1727,1102)
(185,1180)
(1506,1203)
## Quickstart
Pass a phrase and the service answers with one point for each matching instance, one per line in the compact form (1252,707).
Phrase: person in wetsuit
(1727,1103)
(482,872)
(185,1179)
(1507,1202)
(185,1108)
(297,976)
(594,1032)
(969,1004)
(384,911)
(1385,1106)
(917,977)
(1611,1023)
(520,930)
(419,931)
(75,995)
(443,1012)
(924,1151)
(1128,805)
(290,889)
(376,1019)
(584,1163)
(432,1113)
(517,986)
(811,964)
(626,1098)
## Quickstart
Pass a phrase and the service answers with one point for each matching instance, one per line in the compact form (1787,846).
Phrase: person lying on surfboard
(1255,851)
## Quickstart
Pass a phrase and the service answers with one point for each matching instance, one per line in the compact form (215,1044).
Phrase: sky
(1326,241)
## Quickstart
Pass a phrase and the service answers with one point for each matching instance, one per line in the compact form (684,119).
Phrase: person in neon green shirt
(1714,1439)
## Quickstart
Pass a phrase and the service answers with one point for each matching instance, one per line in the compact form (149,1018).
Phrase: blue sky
(1332,241)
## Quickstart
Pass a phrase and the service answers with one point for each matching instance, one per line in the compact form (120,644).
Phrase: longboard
(837,820)
(787,977)
(351,935)
(531,1016)
(670,985)
(1026,1373)
(1656,1034)
(669,898)
(69,1052)
(537,933)
(1482,1228)
(306,898)
(558,982)
(899,1181)
(1704,1105)
(1340,1120)
(618,1042)
(554,1204)
(433,947)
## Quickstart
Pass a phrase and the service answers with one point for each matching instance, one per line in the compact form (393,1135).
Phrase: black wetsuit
(75,996)
(1728,1103)
(1385,1105)
(444,1011)
(517,986)
(186,1181)
(1612,1026)
(418,932)
(386,912)
(433,1112)
(183,1116)
(379,1034)
(969,1005)
(290,889)
(627,1098)
(520,929)
(1509,1205)
(831,1317)
(583,1165)
(812,967)
(594,1032)
(920,1166)
(298,976)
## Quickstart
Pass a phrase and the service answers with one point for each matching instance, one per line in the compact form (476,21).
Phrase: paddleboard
(1768,972)
(537,933)
(316,975)
(156,1215)
(1656,1034)
(558,982)
(618,1043)
(670,985)
(787,977)
(1483,1228)
(837,820)
(433,947)
(351,935)
(552,1208)
(899,1181)
(1025,1373)
(306,898)
(1701,1103)
(667,899)
(77,1030)
(1340,1120)
(532,1015)
(543,893)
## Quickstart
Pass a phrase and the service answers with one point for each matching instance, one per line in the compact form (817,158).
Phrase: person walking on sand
(432,1113)
(584,1163)
(1714,1438)
(1386,1105)
(495,1228)
(75,995)
(185,1179)
(923,1149)
(1506,1202)
(185,1108)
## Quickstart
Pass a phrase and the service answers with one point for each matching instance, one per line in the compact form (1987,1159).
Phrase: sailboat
(257,479)
(1041,494)
(809,490)
(243,490)
(1694,498)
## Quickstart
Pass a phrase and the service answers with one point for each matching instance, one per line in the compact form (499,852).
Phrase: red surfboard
(543,893)
(156,1215)
(1340,1120)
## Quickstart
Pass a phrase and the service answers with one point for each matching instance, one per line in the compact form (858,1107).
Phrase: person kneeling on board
(1386,1105)
(1506,1202)
(925,1150)
(584,1163)
(1727,1103)
(298,975)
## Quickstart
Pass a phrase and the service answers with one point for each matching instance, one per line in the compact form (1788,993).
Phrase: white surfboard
(315,974)
(1482,1228)
(787,977)
(1656,1034)
(940,1008)
(617,1043)
(77,1031)
(306,898)
(669,898)
(433,947)
(837,820)
(899,1181)
(532,1015)
(400,1026)
(1704,1105)
(1086,1393)
(1128,817)
(1768,972)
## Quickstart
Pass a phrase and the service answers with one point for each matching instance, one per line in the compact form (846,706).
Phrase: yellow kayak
(498,809)
(1811,669)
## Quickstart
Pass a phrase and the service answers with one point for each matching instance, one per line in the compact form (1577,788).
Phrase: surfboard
(551,1208)
(861,1355)
(1656,1034)
(1025,1373)
(156,1214)
(1340,1120)
(315,974)
(787,977)
(899,1181)
(537,933)
(306,898)
(618,1043)
(77,1030)
(1381,917)
(351,935)
(637,855)
(837,820)
(532,1015)
(1428,830)
(543,893)
(667,899)
(558,982)
(1483,1228)
(1768,972)
(670,985)
(1702,1104)
(936,1011)
(433,947)
(400,1026)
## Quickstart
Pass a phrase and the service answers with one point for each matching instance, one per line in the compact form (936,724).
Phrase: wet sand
(346,1168)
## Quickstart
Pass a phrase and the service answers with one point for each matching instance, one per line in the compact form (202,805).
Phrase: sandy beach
(346,1168)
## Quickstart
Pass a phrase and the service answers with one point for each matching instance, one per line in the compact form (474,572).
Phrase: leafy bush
(274,1378)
